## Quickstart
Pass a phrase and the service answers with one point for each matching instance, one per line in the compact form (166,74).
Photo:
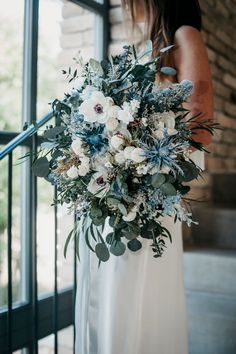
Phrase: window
(37,285)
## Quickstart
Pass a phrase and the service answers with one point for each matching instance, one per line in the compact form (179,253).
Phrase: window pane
(11,39)
(64,29)
(16,238)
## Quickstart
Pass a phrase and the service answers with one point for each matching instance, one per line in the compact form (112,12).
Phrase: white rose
(96,108)
(119,157)
(117,141)
(112,124)
(73,172)
(87,91)
(76,146)
(138,155)
(127,152)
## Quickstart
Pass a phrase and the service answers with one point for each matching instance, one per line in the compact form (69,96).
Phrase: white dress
(133,304)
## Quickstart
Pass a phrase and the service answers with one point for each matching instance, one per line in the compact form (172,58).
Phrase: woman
(135,304)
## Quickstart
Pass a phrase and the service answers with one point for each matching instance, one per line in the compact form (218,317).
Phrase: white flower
(138,155)
(172,131)
(117,141)
(142,169)
(83,169)
(113,111)
(127,152)
(84,160)
(131,214)
(73,172)
(76,146)
(134,105)
(87,91)
(98,184)
(168,118)
(119,157)
(112,124)
(158,134)
(144,121)
(125,116)
(95,109)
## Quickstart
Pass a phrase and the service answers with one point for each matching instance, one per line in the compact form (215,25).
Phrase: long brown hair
(164,17)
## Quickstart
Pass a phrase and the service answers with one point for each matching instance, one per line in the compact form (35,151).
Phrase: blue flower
(163,153)
(95,137)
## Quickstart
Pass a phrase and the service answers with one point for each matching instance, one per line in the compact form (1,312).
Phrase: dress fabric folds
(133,304)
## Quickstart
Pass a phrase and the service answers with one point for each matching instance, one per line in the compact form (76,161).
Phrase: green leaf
(87,240)
(117,248)
(167,70)
(49,145)
(109,238)
(157,180)
(41,167)
(68,241)
(190,171)
(168,189)
(52,133)
(96,66)
(102,252)
(122,209)
(134,245)
(163,50)
(95,212)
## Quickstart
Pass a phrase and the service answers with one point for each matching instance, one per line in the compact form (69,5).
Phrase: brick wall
(219,32)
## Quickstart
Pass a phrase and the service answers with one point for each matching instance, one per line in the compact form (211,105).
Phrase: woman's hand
(191,62)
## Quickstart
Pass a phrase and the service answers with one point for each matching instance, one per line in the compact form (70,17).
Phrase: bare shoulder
(187,33)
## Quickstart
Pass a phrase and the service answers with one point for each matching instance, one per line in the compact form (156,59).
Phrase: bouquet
(120,152)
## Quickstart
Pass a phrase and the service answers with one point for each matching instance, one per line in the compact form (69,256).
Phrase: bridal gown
(133,304)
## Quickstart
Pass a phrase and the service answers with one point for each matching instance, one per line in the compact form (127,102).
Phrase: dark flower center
(98,108)
(100,180)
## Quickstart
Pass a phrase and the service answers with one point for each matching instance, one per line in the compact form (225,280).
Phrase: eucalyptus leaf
(167,70)
(168,189)
(96,66)
(134,245)
(49,145)
(102,252)
(117,248)
(157,180)
(68,241)
(163,50)
(190,171)
(122,209)
(52,133)
(40,167)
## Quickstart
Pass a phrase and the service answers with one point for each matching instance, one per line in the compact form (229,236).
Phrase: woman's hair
(164,17)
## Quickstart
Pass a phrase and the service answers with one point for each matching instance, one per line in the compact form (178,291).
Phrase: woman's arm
(191,62)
